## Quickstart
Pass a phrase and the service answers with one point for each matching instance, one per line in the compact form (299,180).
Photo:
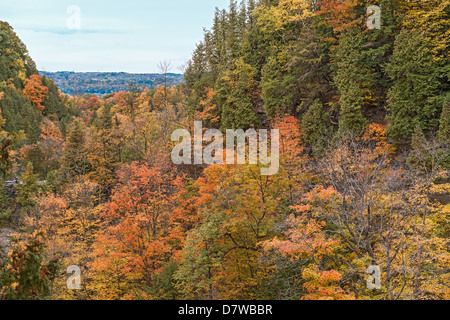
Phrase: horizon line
(109,72)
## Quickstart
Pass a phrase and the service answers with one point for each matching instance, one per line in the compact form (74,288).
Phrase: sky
(109,36)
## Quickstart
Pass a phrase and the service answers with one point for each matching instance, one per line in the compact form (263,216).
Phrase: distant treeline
(101,83)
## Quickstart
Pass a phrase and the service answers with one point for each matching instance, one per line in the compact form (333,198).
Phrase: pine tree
(277,86)
(233,32)
(349,84)
(444,127)
(5,146)
(314,127)
(103,152)
(236,91)
(413,98)
(74,161)
(28,189)
(53,102)
(20,114)
(106,117)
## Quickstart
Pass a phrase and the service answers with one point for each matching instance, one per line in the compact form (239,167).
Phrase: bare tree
(182,67)
(379,212)
(164,68)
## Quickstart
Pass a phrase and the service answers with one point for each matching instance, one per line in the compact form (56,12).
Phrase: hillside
(101,83)
(357,207)
(25,97)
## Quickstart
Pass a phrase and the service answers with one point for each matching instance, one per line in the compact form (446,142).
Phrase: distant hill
(101,83)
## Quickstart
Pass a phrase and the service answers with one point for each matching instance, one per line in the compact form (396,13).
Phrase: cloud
(63,31)
(115,35)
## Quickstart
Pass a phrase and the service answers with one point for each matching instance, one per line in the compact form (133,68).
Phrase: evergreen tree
(105,118)
(5,146)
(413,98)
(19,113)
(314,127)
(277,86)
(28,189)
(233,32)
(74,160)
(444,127)
(16,52)
(5,202)
(349,84)
(103,153)
(54,104)
(27,275)
(236,91)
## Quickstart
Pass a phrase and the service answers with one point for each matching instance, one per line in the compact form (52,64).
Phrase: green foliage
(19,113)
(27,275)
(35,156)
(15,66)
(348,80)
(28,189)
(5,215)
(285,282)
(114,203)
(74,160)
(413,98)
(235,94)
(55,106)
(315,126)
(164,284)
(106,117)
(427,154)
(277,88)
(53,184)
(13,49)
(103,152)
(5,148)
(5,211)
(444,126)
(201,256)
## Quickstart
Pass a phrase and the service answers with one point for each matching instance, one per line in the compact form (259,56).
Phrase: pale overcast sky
(115,35)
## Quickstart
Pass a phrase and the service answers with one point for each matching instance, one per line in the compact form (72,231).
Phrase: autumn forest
(363,114)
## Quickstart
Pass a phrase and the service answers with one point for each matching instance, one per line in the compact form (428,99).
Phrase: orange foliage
(35,91)
(135,241)
(208,108)
(339,15)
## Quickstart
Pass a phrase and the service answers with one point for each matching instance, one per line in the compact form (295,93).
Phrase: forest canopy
(364,120)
